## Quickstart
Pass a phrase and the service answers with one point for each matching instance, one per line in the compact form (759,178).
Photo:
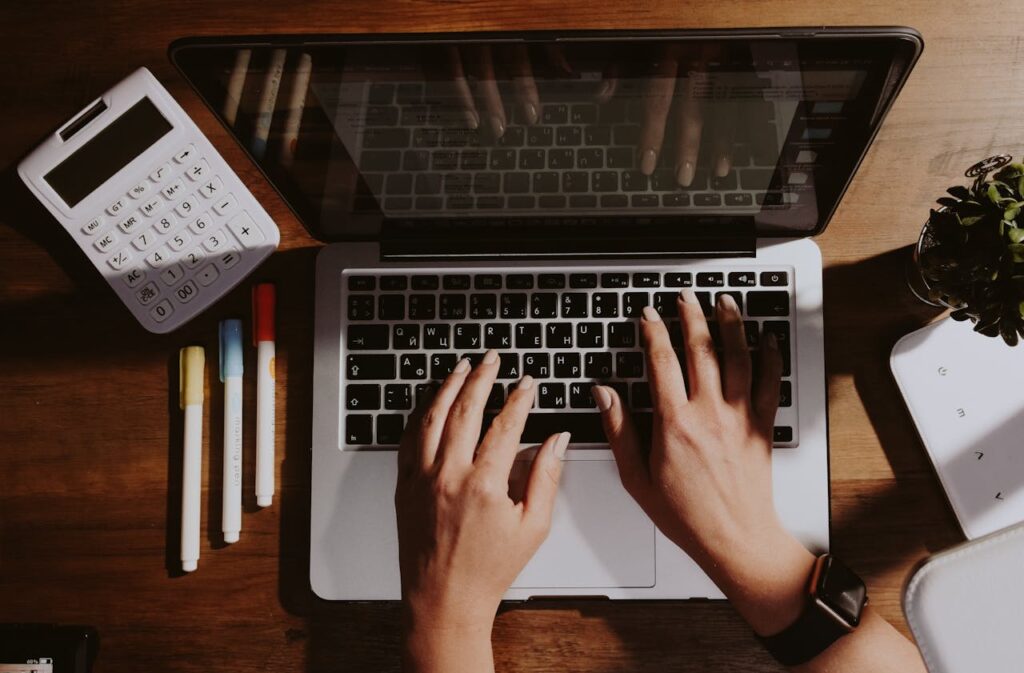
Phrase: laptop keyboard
(404,332)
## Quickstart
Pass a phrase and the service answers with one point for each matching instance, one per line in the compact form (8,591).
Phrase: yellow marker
(191,375)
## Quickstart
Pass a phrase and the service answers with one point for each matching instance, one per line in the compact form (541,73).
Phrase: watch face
(842,591)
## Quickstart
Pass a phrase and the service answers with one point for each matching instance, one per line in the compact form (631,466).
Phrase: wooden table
(89,432)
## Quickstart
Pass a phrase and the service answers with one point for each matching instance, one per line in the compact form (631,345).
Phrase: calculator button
(245,230)
(225,205)
(173,190)
(165,224)
(130,223)
(148,294)
(194,258)
(144,240)
(161,311)
(160,173)
(105,243)
(139,190)
(119,259)
(187,207)
(201,224)
(215,242)
(92,226)
(134,277)
(229,259)
(172,274)
(186,292)
(159,257)
(179,240)
(187,154)
(212,188)
(208,275)
(199,171)
(116,207)
(151,207)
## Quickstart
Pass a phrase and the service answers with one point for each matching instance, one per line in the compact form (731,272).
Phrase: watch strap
(811,634)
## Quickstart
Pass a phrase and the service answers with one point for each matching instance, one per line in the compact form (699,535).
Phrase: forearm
(431,647)
(875,647)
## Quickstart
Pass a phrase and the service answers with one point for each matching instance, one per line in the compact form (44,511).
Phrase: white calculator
(151,203)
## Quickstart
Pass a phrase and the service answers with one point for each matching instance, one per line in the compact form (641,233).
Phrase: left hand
(462,540)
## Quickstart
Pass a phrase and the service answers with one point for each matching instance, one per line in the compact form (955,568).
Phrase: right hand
(706,479)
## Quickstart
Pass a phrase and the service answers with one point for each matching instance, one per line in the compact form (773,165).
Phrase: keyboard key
(544,305)
(597,365)
(711,279)
(362,396)
(92,226)
(179,240)
(782,434)
(197,226)
(551,281)
(147,294)
(498,335)
(452,307)
(513,306)
(367,337)
(675,200)
(194,258)
(742,279)
(362,283)
(406,337)
(633,303)
(370,367)
(391,307)
(228,259)
(568,136)
(774,278)
(519,281)
(586,427)
(119,259)
(413,366)
(640,396)
(436,337)
(583,280)
(606,181)
(558,335)
(738,199)
(467,336)
(424,283)
(619,157)
(589,335)
(245,230)
(358,429)
(551,395)
(130,223)
(216,241)
(634,181)
(704,298)
(537,365)
(483,306)
(580,396)
(786,394)
(188,207)
(780,329)
(551,201)
(666,304)
(488,281)
(629,365)
(567,366)
(393,283)
(530,160)
(521,202)
(528,335)
(456,282)
(707,200)
(398,396)
(172,274)
(605,305)
(134,277)
(590,158)
(422,307)
(496,399)
(106,242)
(516,183)
(582,201)
(574,305)
(614,280)
(508,366)
(161,311)
(360,307)
(186,292)
(647,279)
(560,159)
(621,335)
(770,304)
(539,136)
(389,429)
(159,257)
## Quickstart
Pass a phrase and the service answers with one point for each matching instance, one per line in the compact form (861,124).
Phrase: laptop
(532,192)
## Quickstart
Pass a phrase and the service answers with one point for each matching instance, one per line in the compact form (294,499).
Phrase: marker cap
(230,348)
(264,298)
(191,365)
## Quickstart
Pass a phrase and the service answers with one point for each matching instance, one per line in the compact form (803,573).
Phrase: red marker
(263,305)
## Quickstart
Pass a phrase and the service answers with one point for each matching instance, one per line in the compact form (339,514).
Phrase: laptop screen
(651,129)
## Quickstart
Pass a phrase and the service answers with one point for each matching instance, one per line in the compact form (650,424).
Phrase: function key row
(557,281)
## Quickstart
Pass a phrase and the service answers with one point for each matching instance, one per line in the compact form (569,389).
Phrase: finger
(436,415)
(501,443)
(542,484)
(462,90)
(668,390)
(487,88)
(622,438)
(407,452)
(691,126)
(466,416)
(609,82)
(556,57)
(723,137)
(701,362)
(524,84)
(735,356)
(766,395)
(658,91)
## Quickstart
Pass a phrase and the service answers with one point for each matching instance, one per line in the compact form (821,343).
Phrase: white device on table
(963,393)
(150,202)
(964,605)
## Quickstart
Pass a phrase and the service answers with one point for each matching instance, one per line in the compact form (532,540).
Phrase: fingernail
(561,444)
(605,91)
(472,119)
(490,357)
(531,113)
(770,341)
(525,383)
(722,166)
(497,126)
(651,314)
(602,397)
(462,366)
(648,159)
(727,302)
(685,174)
(688,295)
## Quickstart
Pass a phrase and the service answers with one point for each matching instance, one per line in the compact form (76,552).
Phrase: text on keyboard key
(370,367)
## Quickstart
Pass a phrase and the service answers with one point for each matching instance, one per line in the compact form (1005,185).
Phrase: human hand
(706,480)
(478,61)
(462,540)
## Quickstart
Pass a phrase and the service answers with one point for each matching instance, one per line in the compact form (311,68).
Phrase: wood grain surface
(90,433)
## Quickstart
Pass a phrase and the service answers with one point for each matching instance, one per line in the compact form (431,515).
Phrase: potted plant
(970,255)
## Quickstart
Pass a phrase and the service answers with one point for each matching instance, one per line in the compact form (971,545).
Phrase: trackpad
(599,536)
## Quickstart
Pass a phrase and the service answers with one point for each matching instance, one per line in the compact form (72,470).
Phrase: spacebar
(585,427)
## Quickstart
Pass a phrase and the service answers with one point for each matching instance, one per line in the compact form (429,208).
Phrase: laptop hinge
(574,238)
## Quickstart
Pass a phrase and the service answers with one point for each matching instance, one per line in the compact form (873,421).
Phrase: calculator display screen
(107,152)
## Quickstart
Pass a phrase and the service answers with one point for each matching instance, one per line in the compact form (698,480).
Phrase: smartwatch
(836,599)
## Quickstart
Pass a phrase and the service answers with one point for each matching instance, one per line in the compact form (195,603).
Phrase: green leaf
(1016,235)
(971,221)
(1020,309)
(1017,250)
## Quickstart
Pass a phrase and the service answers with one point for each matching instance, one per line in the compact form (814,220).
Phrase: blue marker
(231,375)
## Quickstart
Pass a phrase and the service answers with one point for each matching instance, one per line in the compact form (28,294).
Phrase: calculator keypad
(185,225)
